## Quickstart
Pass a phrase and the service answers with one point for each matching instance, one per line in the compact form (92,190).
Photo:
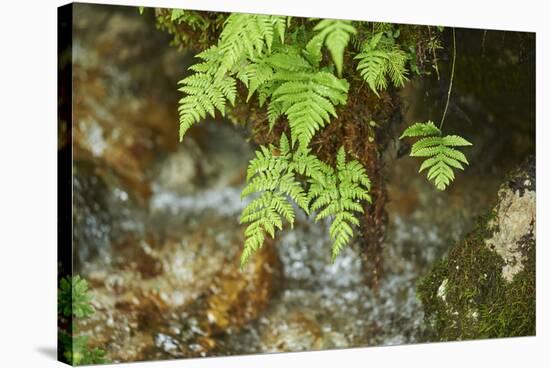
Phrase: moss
(465,296)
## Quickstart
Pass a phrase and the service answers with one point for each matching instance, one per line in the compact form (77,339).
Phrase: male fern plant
(299,71)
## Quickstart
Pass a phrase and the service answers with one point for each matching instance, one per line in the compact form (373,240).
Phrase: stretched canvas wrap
(243,184)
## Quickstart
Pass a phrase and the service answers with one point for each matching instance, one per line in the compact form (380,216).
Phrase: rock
(175,298)
(124,115)
(233,299)
(301,327)
(486,286)
(103,213)
(237,297)
(514,221)
(299,332)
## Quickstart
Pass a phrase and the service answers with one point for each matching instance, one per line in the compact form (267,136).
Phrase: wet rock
(177,173)
(175,298)
(103,213)
(215,156)
(233,299)
(298,332)
(124,115)
(236,298)
(513,225)
(486,286)
(303,328)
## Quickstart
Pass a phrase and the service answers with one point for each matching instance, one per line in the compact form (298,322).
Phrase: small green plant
(73,298)
(73,301)
(442,156)
(441,152)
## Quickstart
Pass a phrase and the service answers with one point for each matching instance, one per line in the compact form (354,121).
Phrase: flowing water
(156,224)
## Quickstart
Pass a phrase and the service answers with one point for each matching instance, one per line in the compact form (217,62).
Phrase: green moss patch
(465,296)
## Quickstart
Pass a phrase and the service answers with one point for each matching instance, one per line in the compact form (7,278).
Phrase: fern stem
(451,82)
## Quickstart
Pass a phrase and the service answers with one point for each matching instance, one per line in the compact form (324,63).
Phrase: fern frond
(333,192)
(442,156)
(204,95)
(381,59)
(176,15)
(337,193)
(308,100)
(271,174)
(245,36)
(335,35)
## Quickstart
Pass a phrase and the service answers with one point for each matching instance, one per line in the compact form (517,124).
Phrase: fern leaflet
(335,35)
(246,35)
(440,150)
(308,101)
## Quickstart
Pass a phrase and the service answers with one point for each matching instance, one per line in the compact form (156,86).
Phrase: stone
(485,287)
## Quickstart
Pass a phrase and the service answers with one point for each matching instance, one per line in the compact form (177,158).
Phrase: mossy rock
(485,287)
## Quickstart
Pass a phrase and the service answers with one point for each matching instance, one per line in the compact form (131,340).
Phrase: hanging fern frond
(333,192)
(381,59)
(262,70)
(204,92)
(337,193)
(213,84)
(270,175)
(335,35)
(255,75)
(296,89)
(246,35)
(442,156)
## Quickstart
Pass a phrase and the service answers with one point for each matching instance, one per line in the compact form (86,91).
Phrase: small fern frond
(204,94)
(381,59)
(335,35)
(257,75)
(442,156)
(176,15)
(337,193)
(308,100)
(246,35)
(271,175)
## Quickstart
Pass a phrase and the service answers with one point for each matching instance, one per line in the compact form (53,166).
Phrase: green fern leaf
(421,130)
(335,35)
(204,95)
(270,175)
(380,60)
(337,193)
(244,37)
(442,156)
(308,100)
(176,15)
